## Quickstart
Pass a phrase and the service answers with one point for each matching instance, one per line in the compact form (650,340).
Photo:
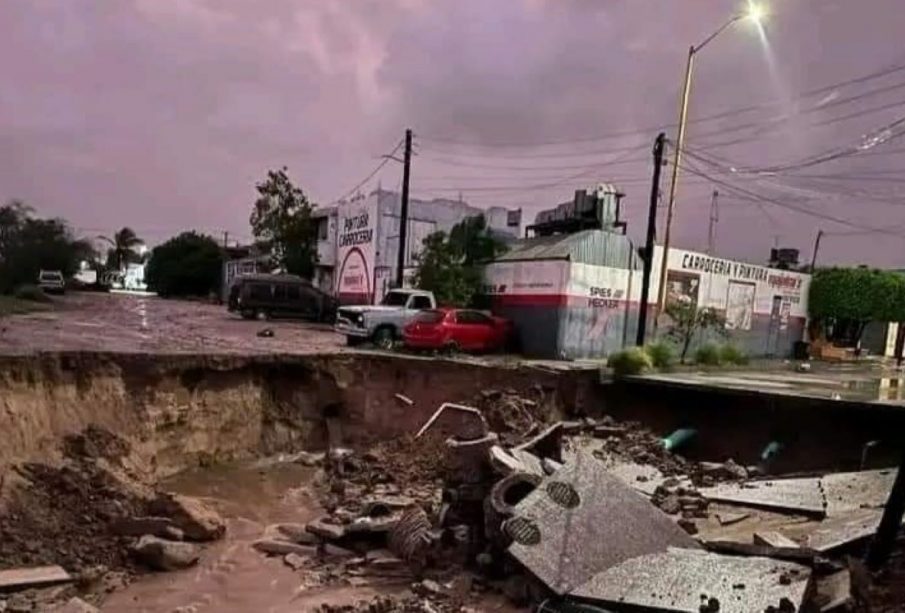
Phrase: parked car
(52,281)
(457,330)
(265,296)
(382,323)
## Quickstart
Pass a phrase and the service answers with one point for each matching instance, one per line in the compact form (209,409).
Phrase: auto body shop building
(577,295)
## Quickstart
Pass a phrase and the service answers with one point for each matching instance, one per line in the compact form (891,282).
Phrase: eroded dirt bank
(182,411)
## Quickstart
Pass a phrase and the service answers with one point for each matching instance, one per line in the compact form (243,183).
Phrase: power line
(386,158)
(800,209)
(647,130)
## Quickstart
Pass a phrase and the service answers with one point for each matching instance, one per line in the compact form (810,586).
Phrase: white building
(358,240)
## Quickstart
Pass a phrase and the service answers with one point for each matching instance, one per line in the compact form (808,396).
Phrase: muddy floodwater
(231,576)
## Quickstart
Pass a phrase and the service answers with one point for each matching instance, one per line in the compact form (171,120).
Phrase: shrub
(632,361)
(32,293)
(730,354)
(662,355)
(708,354)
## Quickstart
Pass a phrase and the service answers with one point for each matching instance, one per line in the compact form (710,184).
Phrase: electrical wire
(734,112)
(386,158)
(740,192)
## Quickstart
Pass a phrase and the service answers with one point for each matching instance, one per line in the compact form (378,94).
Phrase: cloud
(162,114)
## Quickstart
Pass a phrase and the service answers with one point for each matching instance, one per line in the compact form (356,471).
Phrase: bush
(190,264)
(32,293)
(662,355)
(730,354)
(632,361)
(708,354)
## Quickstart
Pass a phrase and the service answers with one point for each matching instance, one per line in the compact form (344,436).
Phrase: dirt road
(147,324)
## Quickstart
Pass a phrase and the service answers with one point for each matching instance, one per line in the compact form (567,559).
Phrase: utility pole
(714,217)
(225,239)
(816,248)
(659,145)
(404,213)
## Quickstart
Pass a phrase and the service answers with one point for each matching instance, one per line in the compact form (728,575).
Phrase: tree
(123,248)
(29,244)
(451,266)
(281,220)
(845,300)
(688,320)
(189,264)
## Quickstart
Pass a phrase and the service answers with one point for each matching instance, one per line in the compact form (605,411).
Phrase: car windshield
(395,299)
(51,276)
(429,317)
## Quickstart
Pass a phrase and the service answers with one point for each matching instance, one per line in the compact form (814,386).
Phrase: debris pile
(561,512)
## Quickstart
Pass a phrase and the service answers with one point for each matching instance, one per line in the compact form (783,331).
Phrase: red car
(456,330)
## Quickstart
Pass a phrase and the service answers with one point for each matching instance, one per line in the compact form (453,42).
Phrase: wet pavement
(870,381)
(147,324)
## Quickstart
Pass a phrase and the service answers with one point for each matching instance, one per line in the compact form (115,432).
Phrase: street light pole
(754,12)
(673,182)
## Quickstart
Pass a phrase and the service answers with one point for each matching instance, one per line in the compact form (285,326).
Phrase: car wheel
(451,348)
(247,314)
(384,338)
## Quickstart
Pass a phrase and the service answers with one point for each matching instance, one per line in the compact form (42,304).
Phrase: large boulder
(197,521)
(161,554)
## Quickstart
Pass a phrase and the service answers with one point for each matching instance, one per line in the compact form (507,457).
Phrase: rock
(332,551)
(383,559)
(429,586)
(76,605)
(197,521)
(162,527)
(161,554)
(294,533)
(265,333)
(295,561)
(20,603)
(670,504)
(276,547)
(725,470)
(323,528)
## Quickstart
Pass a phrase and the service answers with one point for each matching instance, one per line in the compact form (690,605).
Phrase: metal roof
(597,247)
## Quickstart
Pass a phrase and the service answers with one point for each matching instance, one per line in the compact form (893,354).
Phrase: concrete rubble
(586,515)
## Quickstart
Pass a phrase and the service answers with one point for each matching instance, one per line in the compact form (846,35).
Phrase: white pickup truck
(382,323)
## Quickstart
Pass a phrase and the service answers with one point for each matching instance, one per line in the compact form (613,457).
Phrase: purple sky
(161,114)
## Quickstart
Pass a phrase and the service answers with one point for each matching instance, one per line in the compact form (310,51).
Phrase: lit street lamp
(755,13)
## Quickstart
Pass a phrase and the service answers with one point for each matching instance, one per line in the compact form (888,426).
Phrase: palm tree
(122,247)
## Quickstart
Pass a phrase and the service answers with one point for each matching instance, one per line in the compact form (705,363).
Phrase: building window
(322,229)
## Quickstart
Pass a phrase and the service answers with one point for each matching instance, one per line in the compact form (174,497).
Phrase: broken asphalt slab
(795,495)
(582,520)
(832,495)
(693,581)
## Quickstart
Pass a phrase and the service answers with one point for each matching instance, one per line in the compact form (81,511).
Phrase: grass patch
(10,305)
(708,355)
(631,361)
(662,355)
(730,354)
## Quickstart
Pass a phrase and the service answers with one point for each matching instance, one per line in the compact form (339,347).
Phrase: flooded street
(147,324)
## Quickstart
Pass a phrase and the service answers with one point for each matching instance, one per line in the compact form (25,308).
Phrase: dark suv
(266,296)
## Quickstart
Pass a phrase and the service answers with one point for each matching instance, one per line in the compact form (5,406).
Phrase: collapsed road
(349,484)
